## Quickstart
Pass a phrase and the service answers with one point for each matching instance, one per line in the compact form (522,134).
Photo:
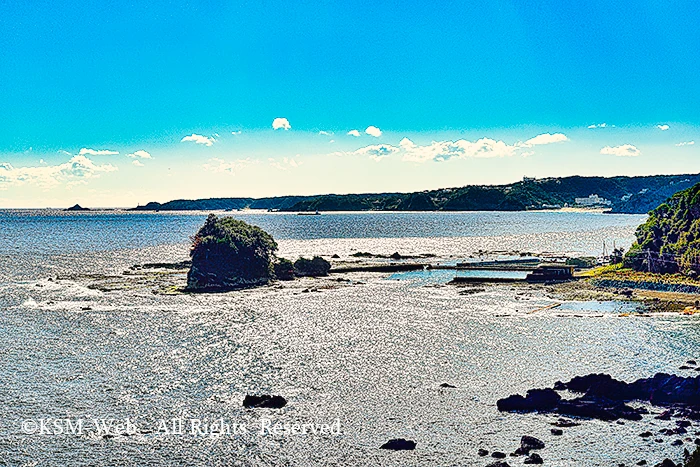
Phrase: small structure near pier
(551,273)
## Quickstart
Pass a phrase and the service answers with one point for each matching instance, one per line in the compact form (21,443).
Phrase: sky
(114,104)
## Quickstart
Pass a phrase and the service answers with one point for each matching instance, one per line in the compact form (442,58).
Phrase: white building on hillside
(593,200)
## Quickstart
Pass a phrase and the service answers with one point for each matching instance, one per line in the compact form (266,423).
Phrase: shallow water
(371,352)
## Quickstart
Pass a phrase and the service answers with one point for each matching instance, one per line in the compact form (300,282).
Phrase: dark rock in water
(660,390)
(76,207)
(498,455)
(557,432)
(534,458)
(685,367)
(395,255)
(683,423)
(665,415)
(536,400)
(399,444)
(335,256)
(678,442)
(691,362)
(646,434)
(600,408)
(447,385)
(179,265)
(483,452)
(564,423)
(264,402)
(642,462)
(674,431)
(499,464)
(598,383)
(604,397)
(108,435)
(530,442)
(666,463)
(559,386)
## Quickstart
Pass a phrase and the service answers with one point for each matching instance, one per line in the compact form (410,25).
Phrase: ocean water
(370,352)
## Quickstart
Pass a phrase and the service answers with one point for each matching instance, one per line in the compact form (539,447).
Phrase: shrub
(617,256)
(312,267)
(284,269)
(228,253)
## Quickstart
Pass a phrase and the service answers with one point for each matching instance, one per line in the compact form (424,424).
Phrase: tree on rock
(228,253)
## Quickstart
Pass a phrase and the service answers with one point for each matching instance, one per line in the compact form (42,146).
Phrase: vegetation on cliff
(626,194)
(228,253)
(669,241)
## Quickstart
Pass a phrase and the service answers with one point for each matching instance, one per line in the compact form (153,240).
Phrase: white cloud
(221,166)
(545,138)
(462,149)
(140,153)
(281,124)
(354,133)
(77,169)
(199,139)
(626,150)
(325,133)
(600,125)
(406,144)
(373,131)
(376,152)
(663,127)
(93,152)
(685,143)
(285,163)
(137,163)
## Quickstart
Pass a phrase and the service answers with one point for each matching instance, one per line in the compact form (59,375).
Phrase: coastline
(374,347)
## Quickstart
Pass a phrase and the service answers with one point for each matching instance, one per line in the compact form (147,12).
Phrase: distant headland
(630,195)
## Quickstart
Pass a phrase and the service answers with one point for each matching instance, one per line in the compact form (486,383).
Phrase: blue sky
(83,86)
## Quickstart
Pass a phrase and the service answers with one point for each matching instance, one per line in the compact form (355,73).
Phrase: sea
(131,377)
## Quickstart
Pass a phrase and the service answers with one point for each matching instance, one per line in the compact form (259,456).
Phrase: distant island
(76,207)
(629,195)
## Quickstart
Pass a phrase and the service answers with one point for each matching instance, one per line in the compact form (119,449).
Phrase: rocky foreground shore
(602,397)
